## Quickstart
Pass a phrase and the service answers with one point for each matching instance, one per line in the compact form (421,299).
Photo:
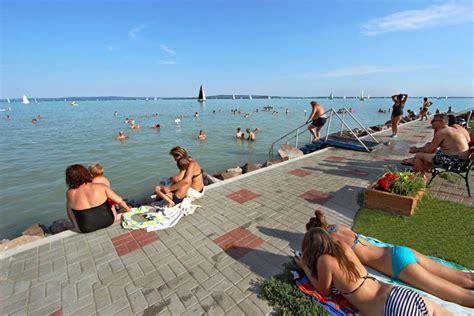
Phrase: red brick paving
(57,313)
(131,241)
(242,196)
(300,172)
(238,242)
(315,196)
(335,158)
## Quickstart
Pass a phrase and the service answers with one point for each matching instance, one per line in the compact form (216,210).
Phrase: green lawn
(439,228)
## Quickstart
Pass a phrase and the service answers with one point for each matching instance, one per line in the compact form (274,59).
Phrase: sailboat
(368,96)
(269,97)
(233,97)
(331,96)
(8,100)
(25,100)
(36,101)
(362,96)
(154,99)
(202,95)
(146,100)
(250,97)
(74,103)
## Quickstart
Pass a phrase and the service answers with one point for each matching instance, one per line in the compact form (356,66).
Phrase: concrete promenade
(212,261)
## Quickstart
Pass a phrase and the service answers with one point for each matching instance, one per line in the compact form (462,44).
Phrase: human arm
(394,97)
(186,180)
(404,98)
(313,114)
(116,198)
(429,147)
(178,177)
(322,283)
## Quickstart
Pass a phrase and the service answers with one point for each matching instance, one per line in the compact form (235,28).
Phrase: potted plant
(396,192)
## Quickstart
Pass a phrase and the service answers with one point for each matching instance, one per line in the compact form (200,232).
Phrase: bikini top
(332,229)
(360,285)
(197,175)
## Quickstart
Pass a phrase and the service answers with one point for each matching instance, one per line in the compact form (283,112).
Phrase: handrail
(270,152)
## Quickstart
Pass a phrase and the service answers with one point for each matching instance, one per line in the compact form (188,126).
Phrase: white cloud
(110,48)
(363,70)
(167,50)
(135,29)
(433,16)
(168,62)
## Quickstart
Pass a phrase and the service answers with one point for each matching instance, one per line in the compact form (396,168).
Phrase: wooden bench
(456,165)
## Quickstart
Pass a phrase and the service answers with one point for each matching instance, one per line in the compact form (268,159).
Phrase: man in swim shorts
(317,118)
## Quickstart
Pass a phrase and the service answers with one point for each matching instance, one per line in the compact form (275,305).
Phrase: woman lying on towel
(329,263)
(404,264)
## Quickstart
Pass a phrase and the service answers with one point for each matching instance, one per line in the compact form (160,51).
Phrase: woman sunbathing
(329,263)
(405,264)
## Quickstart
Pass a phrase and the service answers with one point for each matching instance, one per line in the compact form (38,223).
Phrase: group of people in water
(334,256)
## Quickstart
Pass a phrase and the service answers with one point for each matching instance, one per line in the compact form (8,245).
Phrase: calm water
(33,157)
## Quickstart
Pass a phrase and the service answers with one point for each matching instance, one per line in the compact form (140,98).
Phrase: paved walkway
(213,260)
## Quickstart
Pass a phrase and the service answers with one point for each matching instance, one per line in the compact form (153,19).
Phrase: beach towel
(156,216)
(335,306)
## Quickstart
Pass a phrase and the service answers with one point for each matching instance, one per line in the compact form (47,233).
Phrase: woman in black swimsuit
(87,205)
(399,101)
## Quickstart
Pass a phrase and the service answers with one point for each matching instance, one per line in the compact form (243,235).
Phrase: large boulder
(249,167)
(35,230)
(208,179)
(226,175)
(60,225)
(237,170)
(288,151)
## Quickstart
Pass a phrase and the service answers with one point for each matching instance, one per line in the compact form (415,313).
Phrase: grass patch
(450,177)
(281,293)
(439,228)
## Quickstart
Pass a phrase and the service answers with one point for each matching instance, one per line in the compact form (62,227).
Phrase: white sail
(331,96)
(25,100)
(233,97)
(8,100)
(362,95)
(36,101)
(269,97)
(368,96)
(154,99)
(250,97)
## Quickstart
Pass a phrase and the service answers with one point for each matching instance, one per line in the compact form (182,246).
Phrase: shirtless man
(121,135)
(317,118)
(449,140)
(190,180)
(201,135)
(424,110)
(251,137)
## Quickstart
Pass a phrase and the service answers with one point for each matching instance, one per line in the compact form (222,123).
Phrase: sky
(275,47)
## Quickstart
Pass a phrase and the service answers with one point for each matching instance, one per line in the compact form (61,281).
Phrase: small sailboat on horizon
(331,96)
(202,95)
(74,103)
(8,100)
(233,97)
(36,101)
(250,97)
(362,98)
(25,100)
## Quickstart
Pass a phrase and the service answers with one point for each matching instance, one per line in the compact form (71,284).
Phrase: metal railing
(295,134)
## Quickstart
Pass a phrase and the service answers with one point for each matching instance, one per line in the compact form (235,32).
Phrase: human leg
(416,275)
(167,197)
(395,121)
(423,162)
(311,130)
(460,278)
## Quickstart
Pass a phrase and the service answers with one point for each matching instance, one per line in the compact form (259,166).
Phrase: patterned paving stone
(238,242)
(315,196)
(336,158)
(357,173)
(131,241)
(242,196)
(57,313)
(300,172)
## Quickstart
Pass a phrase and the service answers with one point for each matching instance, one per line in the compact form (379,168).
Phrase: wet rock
(237,170)
(60,225)
(249,167)
(22,240)
(35,230)
(290,152)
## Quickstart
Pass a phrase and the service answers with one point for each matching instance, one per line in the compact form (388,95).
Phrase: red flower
(383,184)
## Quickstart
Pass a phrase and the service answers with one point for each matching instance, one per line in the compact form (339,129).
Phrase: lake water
(34,156)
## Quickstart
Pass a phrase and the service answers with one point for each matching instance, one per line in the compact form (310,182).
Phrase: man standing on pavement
(317,118)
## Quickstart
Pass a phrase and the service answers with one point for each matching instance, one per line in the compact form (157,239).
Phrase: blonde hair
(96,170)
(179,152)
(183,163)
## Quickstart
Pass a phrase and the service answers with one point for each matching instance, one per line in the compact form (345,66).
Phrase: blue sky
(290,48)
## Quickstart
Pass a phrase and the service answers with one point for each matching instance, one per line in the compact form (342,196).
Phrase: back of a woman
(87,202)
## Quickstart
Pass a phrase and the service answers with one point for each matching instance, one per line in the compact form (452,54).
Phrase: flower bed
(395,192)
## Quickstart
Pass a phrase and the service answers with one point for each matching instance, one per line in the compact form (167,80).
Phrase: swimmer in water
(201,135)
(121,135)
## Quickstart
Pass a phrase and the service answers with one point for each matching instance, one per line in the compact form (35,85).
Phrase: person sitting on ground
(251,136)
(191,177)
(329,263)
(87,202)
(317,119)
(97,173)
(404,264)
(424,110)
(177,196)
(448,140)
(201,135)
(399,101)
(121,135)
(239,134)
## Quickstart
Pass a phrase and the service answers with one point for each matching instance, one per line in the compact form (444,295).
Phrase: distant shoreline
(212,97)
